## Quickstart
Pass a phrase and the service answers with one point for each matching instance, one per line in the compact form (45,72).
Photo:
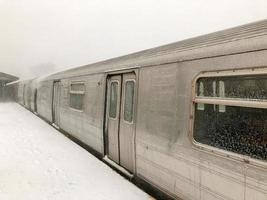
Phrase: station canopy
(7,77)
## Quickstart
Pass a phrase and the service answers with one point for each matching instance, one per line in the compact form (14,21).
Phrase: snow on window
(245,87)
(237,128)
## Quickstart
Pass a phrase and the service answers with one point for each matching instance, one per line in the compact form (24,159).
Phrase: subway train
(188,118)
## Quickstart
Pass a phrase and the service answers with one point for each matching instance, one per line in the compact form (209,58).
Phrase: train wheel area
(38,162)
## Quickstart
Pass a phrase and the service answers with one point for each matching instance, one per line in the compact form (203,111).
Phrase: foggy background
(43,36)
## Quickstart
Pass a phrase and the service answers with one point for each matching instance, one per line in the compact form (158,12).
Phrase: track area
(38,162)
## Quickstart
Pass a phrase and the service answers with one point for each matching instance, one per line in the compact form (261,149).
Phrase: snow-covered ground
(39,163)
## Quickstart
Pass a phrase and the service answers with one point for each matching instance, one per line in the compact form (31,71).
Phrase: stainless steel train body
(150,113)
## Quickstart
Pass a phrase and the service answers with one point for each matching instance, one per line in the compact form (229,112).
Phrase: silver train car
(189,118)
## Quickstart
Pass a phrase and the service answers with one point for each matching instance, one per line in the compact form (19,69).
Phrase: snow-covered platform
(39,163)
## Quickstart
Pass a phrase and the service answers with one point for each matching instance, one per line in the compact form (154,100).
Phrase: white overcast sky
(70,33)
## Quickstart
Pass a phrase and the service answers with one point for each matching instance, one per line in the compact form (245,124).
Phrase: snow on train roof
(229,41)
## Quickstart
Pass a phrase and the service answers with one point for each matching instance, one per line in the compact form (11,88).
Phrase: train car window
(128,101)
(245,87)
(77,91)
(234,118)
(113,99)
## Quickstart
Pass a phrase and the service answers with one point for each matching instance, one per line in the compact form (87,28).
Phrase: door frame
(105,120)
(23,94)
(35,99)
(53,100)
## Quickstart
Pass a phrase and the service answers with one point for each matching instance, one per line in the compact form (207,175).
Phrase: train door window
(77,91)
(235,114)
(113,99)
(128,101)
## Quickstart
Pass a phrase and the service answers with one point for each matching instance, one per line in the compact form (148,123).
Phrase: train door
(56,103)
(120,120)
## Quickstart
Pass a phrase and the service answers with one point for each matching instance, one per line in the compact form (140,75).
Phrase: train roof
(245,38)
